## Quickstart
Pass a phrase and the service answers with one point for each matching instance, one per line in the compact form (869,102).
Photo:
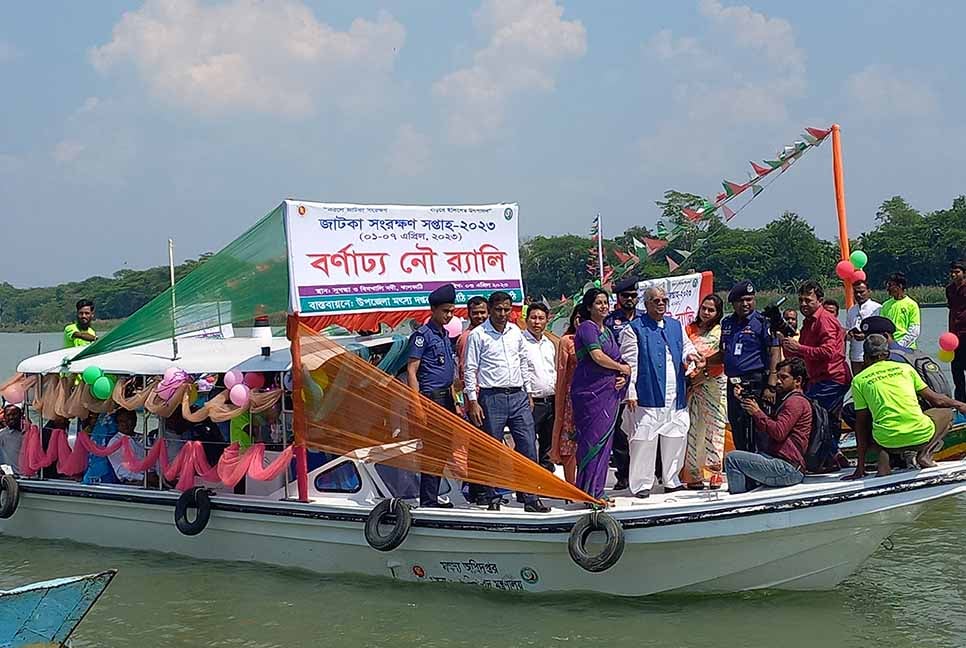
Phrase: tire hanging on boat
(392,511)
(613,544)
(9,495)
(197,498)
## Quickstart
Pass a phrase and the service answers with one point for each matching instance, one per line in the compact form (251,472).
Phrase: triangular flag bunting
(683,253)
(756,189)
(818,133)
(733,188)
(812,141)
(654,245)
(661,229)
(760,170)
(623,257)
(672,266)
(774,164)
(720,197)
(801,146)
(728,212)
(691,214)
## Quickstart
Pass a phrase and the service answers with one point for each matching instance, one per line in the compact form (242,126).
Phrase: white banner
(360,258)
(684,294)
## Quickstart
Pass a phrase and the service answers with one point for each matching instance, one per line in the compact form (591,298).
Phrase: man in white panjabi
(659,354)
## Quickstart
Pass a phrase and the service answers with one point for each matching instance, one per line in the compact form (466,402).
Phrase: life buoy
(9,495)
(613,544)
(393,512)
(196,498)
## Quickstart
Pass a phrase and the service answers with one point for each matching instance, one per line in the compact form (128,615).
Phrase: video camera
(776,322)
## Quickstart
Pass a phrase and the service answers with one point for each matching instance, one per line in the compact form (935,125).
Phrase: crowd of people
(628,387)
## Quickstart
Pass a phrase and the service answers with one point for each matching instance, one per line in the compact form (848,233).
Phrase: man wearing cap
(878,325)
(750,354)
(617,321)
(956,301)
(888,418)
(431,371)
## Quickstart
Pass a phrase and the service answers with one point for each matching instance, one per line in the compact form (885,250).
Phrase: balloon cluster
(850,270)
(102,385)
(240,385)
(948,343)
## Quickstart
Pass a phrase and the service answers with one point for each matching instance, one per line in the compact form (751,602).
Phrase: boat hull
(688,545)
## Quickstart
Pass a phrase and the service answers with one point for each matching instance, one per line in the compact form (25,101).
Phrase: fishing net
(343,403)
(249,277)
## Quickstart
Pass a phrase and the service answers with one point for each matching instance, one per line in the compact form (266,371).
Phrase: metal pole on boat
(839,178)
(600,249)
(174,337)
(144,444)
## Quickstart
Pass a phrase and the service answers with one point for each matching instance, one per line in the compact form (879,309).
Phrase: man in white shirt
(658,353)
(864,308)
(497,388)
(126,422)
(542,354)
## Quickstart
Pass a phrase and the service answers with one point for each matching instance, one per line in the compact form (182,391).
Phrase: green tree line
(776,257)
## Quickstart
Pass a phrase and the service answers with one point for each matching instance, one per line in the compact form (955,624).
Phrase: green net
(248,278)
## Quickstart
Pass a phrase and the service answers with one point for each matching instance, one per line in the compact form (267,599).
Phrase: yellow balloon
(946,356)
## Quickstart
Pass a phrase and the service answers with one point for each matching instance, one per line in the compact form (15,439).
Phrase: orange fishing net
(343,403)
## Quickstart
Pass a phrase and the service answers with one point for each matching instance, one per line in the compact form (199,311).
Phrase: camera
(776,322)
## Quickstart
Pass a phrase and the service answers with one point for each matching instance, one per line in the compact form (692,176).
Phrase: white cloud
(526,42)
(745,71)
(409,155)
(248,55)
(882,92)
(67,151)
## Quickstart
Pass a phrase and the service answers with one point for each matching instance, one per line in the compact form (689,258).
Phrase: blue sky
(123,124)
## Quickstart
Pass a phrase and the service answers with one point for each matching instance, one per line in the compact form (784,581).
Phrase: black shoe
(621,485)
(441,505)
(644,494)
(674,489)
(493,506)
(536,506)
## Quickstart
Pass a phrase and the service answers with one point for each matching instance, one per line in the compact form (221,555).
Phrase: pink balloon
(844,269)
(14,394)
(171,372)
(948,341)
(858,275)
(255,380)
(455,327)
(233,378)
(239,394)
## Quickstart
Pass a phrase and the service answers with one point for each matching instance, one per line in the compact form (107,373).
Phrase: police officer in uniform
(617,321)
(431,371)
(750,354)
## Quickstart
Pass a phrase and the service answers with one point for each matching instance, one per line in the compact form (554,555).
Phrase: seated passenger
(126,421)
(177,430)
(887,413)
(101,430)
(11,438)
(782,461)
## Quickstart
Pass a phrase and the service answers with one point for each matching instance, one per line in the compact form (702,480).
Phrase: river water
(912,594)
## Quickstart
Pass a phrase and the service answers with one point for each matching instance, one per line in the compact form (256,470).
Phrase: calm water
(911,595)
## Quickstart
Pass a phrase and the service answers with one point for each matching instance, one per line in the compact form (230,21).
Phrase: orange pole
(840,205)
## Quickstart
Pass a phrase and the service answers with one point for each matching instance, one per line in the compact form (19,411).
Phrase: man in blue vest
(617,321)
(751,354)
(660,355)
(431,371)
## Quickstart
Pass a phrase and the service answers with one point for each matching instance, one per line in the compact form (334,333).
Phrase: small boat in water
(48,612)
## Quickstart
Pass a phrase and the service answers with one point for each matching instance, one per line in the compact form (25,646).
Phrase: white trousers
(644,458)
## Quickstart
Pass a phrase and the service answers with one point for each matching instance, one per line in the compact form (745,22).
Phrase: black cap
(445,294)
(626,285)
(877,324)
(741,289)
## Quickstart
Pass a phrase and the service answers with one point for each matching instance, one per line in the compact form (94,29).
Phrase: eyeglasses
(629,295)
(659,300)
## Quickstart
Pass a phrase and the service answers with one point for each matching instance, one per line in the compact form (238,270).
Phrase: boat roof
(195,356)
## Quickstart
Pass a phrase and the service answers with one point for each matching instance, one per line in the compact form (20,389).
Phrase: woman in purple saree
(596,392)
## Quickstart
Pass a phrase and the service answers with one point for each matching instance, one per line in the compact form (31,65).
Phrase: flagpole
(174,326)
(600,249)
(839,179)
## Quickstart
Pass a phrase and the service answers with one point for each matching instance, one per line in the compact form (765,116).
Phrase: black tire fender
(613,545)
(392,511)
(9,496)
(197,498)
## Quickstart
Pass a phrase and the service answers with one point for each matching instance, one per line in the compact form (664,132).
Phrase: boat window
(341,478)
(404,484)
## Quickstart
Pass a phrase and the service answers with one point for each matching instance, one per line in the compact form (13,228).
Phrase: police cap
(877,324)
(445,294)
(626,285)
(741,289)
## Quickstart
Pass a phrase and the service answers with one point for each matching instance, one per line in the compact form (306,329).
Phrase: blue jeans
(747,470)
(512,410)
(830,395)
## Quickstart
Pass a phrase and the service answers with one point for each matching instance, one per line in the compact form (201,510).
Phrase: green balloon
(91,374)
(102,388)
(859,259)
(597,283)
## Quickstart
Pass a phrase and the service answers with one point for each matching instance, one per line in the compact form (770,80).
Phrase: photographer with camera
(750,353)
(821,344)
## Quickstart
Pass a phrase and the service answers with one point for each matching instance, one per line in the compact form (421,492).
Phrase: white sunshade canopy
(195,356)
